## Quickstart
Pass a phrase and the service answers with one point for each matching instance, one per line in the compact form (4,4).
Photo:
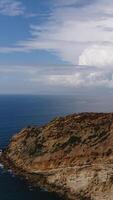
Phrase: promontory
(71,155)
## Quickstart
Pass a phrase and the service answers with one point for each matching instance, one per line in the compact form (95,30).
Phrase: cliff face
(71,155)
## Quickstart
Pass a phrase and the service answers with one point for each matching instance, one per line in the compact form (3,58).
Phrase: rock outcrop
(72,156)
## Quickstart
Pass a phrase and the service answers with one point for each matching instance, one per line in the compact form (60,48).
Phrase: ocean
(17,112)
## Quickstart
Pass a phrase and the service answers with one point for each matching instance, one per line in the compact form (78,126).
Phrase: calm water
(17,112)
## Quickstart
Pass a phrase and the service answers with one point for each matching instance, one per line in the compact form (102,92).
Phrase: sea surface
(17,112)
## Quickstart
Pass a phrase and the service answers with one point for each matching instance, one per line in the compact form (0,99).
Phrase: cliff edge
(72,156)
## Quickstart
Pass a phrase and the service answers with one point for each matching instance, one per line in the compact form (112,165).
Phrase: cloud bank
(50,79)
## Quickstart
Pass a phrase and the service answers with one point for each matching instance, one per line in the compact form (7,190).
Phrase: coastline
(35,180)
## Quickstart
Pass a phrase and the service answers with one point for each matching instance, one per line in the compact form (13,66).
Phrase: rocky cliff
(71,155)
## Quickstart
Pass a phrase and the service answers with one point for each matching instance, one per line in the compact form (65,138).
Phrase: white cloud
(71,30)
(97,55)
(11,7)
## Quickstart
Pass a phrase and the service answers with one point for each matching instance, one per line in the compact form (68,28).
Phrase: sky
(56,47)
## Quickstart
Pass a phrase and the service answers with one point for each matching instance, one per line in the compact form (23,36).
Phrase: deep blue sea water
(17,112)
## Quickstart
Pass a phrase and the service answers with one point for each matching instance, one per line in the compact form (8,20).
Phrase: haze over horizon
(56,47)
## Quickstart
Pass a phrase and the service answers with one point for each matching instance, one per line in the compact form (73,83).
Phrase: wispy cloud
(71,30)
(11,8)
(7,50)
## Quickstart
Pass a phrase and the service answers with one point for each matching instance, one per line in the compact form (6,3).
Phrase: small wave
(0,151)
(44,189)
(1,166)
(30,188)
(10,171)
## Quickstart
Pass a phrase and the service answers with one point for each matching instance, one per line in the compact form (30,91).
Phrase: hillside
(72,156)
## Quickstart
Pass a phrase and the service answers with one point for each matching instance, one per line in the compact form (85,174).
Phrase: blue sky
(56,46)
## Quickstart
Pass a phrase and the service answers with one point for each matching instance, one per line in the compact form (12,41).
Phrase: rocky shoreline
(35,180)
(71,156)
